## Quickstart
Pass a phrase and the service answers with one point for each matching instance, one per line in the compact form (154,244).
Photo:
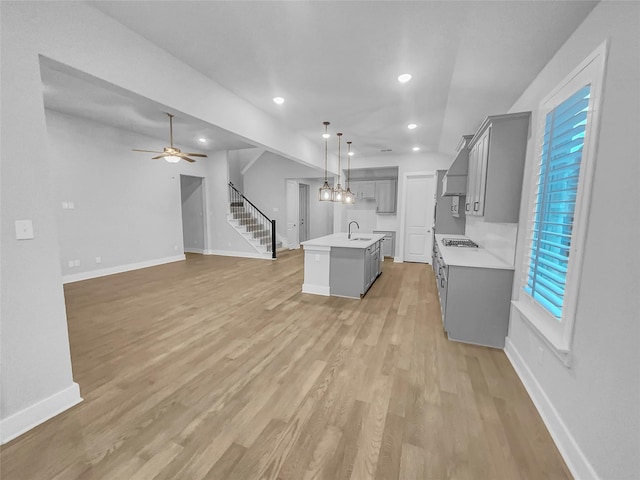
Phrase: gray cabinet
(388,247)
(352,271)
(496,164)
(363,189)
(444,221)
(474,302)
(386,196)
(383,191)
(455,180)
(457,206)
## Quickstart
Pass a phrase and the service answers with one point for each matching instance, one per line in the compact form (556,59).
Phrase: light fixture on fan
(338,192)
(348,197)
(325,193)
(172,154)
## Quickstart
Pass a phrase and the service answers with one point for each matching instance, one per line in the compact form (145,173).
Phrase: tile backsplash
(498,238)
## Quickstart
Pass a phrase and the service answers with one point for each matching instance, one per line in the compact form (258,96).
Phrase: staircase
(254,225)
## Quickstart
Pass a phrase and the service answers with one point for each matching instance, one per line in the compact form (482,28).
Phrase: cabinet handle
(442,282)
(475,206)
(466,207)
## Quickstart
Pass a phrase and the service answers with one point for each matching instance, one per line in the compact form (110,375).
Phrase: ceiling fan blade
(196,155)
(159,156)
(146,151)
(187,158)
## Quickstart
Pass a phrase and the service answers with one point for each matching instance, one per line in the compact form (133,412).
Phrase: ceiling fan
(172,154)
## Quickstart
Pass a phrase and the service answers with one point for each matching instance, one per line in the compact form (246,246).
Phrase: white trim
(316,289)
(402,213)
(77,277)
(591,72)
(32,416)
(229,253)
(194,250)
(571,452)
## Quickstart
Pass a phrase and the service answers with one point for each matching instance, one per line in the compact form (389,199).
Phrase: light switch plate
(24,229)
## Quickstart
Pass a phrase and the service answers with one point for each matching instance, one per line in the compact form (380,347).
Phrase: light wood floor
(220,368)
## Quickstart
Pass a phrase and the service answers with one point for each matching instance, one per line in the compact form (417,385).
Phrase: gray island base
(338,266)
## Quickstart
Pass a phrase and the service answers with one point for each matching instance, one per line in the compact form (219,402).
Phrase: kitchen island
(340,266)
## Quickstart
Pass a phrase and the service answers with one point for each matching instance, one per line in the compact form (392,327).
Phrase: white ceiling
(338,61)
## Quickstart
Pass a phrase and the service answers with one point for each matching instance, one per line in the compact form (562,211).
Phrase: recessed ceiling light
(202,140)
(404,78)
(416,149)
(411,126)
(278,100)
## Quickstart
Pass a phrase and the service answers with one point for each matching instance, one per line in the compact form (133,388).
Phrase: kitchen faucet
(353,221)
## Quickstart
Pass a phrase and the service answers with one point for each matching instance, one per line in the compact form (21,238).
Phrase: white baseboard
(229,253)
(194,250)
(573,456)
(316,289)
(77,277)
(24,420)
(397,260)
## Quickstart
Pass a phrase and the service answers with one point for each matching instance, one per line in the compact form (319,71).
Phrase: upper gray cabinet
(455,180)
(386,195)
(376,187)
(495,168)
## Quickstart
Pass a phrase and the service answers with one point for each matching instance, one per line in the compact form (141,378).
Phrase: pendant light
(325,192)
(349,198)
(338,192)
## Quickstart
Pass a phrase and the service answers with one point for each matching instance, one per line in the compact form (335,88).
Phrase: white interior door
(418,217)
(293,203)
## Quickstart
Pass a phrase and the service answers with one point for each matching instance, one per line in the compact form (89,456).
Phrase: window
(560,191)
(555,202)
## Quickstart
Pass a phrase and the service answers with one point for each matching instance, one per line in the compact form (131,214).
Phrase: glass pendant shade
(172,159)
(349,197)
(325,193)
(338,192)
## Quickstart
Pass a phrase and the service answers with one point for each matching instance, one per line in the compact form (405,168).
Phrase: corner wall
(592,407)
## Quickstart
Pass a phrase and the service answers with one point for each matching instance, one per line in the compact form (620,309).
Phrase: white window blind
(555,202)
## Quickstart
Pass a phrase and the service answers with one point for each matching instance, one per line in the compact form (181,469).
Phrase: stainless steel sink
(363,239)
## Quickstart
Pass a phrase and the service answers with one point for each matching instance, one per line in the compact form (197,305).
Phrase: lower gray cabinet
(353,270)
(474,302)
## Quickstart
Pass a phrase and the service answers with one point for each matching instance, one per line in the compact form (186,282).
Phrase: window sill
(551,337)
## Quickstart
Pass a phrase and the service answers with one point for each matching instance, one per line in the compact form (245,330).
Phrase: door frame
(303,204)
(403,209)
(205,229)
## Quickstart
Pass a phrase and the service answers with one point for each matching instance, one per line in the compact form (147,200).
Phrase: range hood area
(455,180)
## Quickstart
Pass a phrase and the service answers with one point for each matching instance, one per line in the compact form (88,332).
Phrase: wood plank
(229,371)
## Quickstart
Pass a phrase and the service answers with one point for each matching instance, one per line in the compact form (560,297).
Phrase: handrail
(248,201)
(235,196)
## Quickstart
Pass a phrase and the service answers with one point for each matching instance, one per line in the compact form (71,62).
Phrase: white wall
(265,186)
(36,378)
(416,162)
(593,406)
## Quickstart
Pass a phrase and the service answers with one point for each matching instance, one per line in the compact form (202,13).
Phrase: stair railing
(264,226)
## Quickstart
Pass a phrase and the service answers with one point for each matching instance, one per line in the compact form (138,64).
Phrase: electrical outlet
(76,263)
(65,205)
(98,260)
(70,263)
(71,205)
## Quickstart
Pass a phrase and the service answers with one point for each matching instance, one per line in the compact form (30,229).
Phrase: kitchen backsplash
(498,238)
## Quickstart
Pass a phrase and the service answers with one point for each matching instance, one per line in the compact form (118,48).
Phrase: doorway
(303,212)
(193,218)
(419,190)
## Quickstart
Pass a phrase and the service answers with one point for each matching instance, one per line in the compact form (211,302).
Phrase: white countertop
(358,240)
(469,257)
